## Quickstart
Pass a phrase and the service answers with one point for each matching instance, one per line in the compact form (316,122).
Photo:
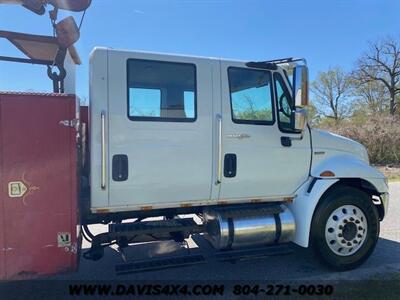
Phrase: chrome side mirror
(300,118)
(300,85)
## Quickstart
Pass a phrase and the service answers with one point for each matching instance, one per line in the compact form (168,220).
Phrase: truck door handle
(286,141)
(103,150)
(120,167)
(230,165)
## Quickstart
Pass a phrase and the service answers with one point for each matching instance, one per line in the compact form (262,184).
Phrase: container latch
(70,123)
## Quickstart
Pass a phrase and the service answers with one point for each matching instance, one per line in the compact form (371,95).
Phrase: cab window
(251,96)
(284,104)
(161,91)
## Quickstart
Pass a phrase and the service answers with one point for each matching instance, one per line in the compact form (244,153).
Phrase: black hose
(85,236)
(88,232)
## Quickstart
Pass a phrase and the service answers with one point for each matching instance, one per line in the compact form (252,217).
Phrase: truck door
(160,130)
(257,163)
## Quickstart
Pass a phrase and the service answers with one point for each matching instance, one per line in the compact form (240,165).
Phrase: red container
(38,177)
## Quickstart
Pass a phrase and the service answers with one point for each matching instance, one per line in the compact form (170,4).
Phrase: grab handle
(219,163)
(103,150)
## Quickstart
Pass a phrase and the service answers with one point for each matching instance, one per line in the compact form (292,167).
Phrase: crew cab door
(159,130)
(257,162)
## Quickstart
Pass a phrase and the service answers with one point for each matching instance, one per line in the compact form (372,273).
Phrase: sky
(327,33)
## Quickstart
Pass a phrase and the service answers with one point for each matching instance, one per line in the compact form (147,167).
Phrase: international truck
(226,140)
(175,145)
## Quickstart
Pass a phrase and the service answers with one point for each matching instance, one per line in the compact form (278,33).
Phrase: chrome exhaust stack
(233,228)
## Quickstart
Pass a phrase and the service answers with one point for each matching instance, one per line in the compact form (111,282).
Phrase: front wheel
(345,228)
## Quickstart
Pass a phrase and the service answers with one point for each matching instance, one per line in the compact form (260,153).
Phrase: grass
(394,178)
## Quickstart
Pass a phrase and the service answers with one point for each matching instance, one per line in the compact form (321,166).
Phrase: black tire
(333,199)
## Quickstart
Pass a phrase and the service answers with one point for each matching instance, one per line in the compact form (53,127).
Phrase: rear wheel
(345,228)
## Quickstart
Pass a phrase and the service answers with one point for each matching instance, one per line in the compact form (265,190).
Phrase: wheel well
(366,187)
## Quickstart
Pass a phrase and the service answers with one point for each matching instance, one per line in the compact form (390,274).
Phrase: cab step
(159,263)
(253,253)
(152,264)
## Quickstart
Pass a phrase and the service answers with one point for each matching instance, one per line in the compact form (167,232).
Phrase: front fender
(308,195)
(349,166)
(303,207)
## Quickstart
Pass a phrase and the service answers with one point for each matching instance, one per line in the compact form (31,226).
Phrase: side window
(251,96)
(161,91)
(188,99)
(145,102)
(285,105)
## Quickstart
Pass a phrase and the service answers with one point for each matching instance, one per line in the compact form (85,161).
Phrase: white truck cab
(227,140)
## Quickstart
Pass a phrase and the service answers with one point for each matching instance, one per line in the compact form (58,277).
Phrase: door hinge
(70,123)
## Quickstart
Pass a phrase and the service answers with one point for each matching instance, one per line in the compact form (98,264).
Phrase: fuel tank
(232,228)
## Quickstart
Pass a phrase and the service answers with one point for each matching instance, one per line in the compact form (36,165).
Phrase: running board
(159,263)
(253,253)
(153,264)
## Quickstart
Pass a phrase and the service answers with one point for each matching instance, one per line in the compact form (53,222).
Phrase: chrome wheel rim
(346,230)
